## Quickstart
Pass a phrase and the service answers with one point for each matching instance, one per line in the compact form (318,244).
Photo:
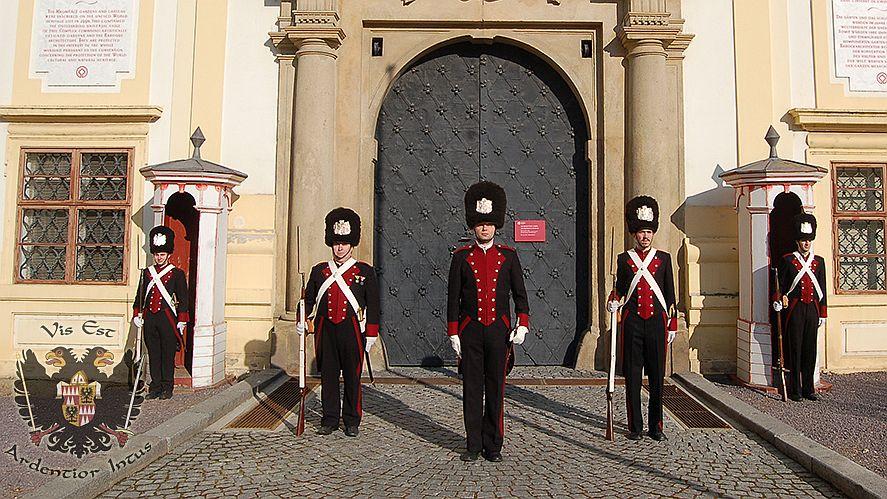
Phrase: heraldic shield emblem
(78,405)
(79,399)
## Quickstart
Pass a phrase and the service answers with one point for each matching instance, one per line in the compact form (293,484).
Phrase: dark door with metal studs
(480,112)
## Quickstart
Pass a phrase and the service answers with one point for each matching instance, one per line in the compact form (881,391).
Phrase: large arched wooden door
(480,112)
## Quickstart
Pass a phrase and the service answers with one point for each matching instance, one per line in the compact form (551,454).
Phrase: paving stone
(411,437)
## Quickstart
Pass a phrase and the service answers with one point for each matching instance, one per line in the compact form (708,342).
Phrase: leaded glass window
(73,212)
(860,228)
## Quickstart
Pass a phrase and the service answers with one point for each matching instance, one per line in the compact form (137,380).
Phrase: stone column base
(208,357)
(592,351)
(754,356)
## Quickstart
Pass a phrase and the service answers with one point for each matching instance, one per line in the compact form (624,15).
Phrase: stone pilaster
(307,40)
(646,33)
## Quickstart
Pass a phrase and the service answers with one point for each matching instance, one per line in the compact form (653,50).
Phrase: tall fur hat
(805,227)
(642,213)
(342,226)
(485,202)
(162,239)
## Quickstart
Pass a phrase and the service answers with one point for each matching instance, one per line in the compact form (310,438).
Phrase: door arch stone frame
(627,37)
(584,87)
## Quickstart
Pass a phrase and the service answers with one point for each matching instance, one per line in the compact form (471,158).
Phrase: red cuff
(136,311)
(452,328)
(823,312)
(613,296)
(673,324)
(372,330)
(183,316)
(523,320)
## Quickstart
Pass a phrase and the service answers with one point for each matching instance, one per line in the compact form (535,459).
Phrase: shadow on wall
(708,284)
(280,350)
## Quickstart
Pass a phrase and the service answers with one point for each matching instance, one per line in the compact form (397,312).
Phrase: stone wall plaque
(859,44)
(74,331)
(84,45)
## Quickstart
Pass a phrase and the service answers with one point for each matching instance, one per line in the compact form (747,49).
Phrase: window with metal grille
(73,212)
(860,216)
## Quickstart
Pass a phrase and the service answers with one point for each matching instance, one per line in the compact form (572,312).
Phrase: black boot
(469,455)
(326,430)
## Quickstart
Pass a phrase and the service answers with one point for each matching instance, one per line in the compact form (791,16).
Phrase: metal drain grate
(688,410)
(267,414)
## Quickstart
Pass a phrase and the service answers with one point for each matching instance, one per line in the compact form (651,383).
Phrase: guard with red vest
(645,280)
(483,278)
(802,286)
(161,308)
(343,297)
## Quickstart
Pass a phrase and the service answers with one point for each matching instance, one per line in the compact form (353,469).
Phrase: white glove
(371,340)
(138,322)
(671,335)
(182,327)
(300,328)
(777,306)
(612,306)
(518,335)
(457,345)
(821,321)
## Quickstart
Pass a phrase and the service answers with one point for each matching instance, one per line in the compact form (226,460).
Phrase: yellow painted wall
(198,88)
(132,91)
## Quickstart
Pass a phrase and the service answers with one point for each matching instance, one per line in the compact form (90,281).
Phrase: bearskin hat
(642,213)
(162,239)
(805,227)
(342,226)
(485,203)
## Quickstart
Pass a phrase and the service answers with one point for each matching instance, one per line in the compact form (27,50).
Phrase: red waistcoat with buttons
(805,291)
(644,302)
(336,304)
(808,291)
(155,299)
(152,301)
(486,266)
(481,285)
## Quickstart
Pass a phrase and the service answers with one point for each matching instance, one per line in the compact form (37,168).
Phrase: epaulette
(464,248)
(505,247)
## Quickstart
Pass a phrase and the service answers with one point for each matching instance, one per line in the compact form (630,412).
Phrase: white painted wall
(709,100)
(8,19)
(249,104)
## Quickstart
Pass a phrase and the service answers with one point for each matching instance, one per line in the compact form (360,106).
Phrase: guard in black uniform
(161,307)
(342,296)
(644,279)
(483,278)
(802,285)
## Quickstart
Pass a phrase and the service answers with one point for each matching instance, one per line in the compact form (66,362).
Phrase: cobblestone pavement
(410,441)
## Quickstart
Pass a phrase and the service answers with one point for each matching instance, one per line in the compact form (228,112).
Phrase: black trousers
(161,340)
(801,331)
(341,350)
(484,351)
(643,350)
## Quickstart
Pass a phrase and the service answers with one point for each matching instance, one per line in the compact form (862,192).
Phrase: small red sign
(529,231)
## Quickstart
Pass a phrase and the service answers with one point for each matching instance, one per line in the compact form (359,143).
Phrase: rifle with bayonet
(303,322)
(614,320)
(780,365)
